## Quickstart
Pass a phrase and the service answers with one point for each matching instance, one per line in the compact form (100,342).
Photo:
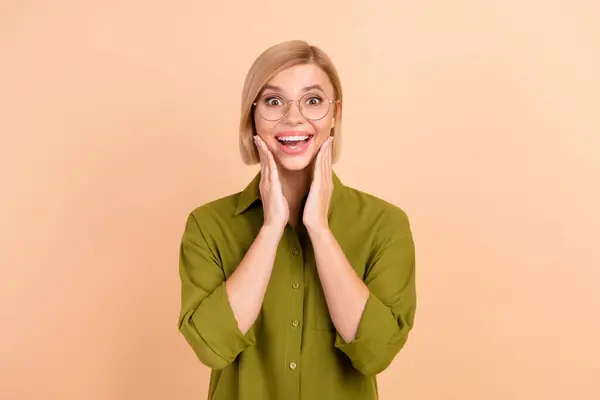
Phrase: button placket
(295,270)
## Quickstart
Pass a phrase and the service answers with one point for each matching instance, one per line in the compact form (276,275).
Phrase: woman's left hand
(316,209)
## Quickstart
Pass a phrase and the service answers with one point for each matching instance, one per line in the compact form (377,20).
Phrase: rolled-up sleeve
(389,313)
(206,319)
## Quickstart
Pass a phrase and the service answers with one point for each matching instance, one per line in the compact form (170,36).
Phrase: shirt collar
(252,193)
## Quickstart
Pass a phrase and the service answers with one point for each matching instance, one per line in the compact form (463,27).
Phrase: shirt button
(295,251)
(295,323)
(296,285)
(293,365)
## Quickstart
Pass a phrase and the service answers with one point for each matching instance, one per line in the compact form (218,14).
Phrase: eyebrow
(305,89)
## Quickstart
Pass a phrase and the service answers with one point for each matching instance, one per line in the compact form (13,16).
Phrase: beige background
(478,118)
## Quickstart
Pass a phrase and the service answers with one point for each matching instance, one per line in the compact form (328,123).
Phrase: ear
(332,122)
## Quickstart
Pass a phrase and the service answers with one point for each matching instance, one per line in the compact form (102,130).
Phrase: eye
(273,101)
(314,100)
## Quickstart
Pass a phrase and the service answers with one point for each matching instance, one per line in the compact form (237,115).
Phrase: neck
(295,186)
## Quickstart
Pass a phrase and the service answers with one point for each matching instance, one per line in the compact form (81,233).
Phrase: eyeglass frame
(297,101)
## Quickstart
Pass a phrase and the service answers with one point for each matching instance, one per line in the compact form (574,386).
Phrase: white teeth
(292,138)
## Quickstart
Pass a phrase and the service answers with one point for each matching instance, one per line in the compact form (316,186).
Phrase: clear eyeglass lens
(273,107)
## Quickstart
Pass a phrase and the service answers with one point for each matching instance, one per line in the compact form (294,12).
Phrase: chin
(297,163)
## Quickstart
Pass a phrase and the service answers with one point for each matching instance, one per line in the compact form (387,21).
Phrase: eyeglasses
(313,106)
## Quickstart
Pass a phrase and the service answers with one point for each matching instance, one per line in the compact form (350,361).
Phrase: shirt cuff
(216,324)
(377,327)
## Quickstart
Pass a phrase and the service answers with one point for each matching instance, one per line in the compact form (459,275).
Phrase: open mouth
(294,141)
(294,144)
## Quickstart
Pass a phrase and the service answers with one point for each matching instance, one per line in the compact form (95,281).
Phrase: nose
(293,114)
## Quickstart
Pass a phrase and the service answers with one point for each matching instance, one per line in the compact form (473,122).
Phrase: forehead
(293,80)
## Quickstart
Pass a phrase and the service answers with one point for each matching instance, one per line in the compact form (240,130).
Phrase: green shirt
(292,351)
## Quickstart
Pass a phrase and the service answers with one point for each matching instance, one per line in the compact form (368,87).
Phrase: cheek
(322,128)
(263,127)
(266,129)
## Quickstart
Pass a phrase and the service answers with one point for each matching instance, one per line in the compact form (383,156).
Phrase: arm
(247,285)
(372,318)
(345,293)
(216,316)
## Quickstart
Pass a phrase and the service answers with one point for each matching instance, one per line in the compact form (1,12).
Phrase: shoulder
(384,221)
(377,207)
(214,212)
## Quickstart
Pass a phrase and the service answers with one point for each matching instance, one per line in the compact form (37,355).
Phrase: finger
(265,152)
(264,169)
(323,166)
(324,163)
(317,167)
(329,160)
(258,149)
(260,155)
(274,173)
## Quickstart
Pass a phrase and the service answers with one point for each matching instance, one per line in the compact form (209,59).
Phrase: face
(295,139)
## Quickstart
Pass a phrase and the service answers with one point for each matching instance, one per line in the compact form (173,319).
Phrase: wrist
(272,230)
(317,230)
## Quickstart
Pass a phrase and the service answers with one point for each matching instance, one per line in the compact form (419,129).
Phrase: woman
(297,287)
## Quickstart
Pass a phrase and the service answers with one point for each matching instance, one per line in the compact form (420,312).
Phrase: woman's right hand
(275,206)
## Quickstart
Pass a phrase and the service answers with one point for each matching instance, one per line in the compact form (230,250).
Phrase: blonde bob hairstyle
(268,64)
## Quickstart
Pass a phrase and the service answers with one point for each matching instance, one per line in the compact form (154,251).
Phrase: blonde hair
(272,61)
